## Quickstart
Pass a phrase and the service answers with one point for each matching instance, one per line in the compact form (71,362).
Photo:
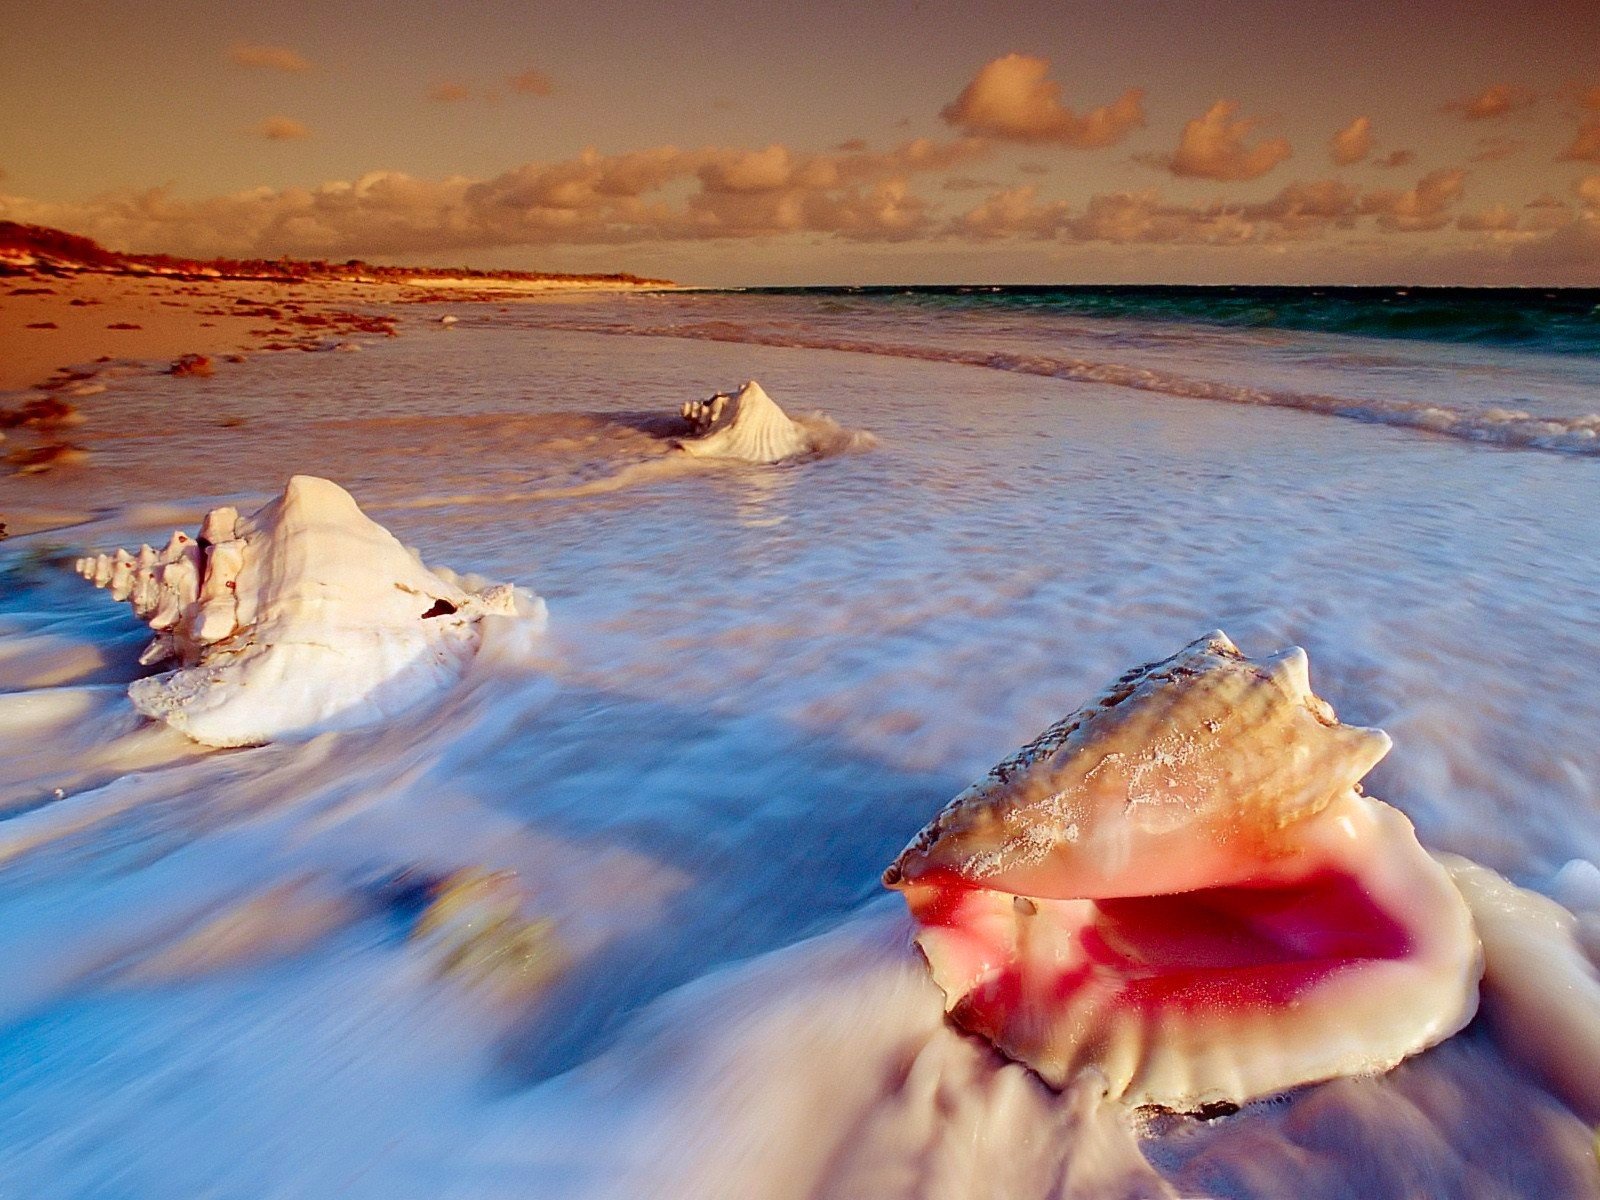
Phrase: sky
(731,142)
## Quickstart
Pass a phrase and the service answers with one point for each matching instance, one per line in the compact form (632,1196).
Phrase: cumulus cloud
(267,58)
(1497,218)
(1421,208)
(532,83)
(1352,143)
(1585,144)
(282,129)
(1011,98)
(1213,146)
(1588,190)
(449,92)
(1494,148)
(1398,158)
(1496,100)
(1304,208)
(1012,212)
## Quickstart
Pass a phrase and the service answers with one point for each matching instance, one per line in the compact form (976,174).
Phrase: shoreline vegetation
(75,316)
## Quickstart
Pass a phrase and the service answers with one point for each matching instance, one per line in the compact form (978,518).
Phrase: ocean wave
(1553,320)
(1508,427)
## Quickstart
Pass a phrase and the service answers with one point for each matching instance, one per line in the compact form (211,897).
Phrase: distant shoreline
(75,317)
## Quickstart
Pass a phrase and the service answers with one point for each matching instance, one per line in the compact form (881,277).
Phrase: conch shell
(303,617)
(746,424)
(1181,887)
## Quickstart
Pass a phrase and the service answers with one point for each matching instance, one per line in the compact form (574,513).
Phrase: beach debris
(197,366)
(1182,887)
(47,412)
(303,617)
(36,460)
(745,424)
(474,921)
(447,320)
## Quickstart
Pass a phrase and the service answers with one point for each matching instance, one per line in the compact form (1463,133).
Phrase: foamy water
(756,685)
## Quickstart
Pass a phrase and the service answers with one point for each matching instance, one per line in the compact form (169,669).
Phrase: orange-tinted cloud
(1497,218)
(1398,158)
(1011,98)
(1304,207)
(1423,207)
(1496,100)
(1588,191)
(1352,143)
(532,83)
(968,183)
(282,129)
(1012,212)
(1494,148)
(449,92)
(267,58)
(852,146)
(1213,146)
(1585,144)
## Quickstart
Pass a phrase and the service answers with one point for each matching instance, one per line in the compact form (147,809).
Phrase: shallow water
(756,685)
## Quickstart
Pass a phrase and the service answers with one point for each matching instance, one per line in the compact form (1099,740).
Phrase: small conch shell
(303,617)
(746,424)
(1181,887)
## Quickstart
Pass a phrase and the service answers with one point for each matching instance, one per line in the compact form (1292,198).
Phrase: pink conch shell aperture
(1181,887)
(746,424)
(303,617)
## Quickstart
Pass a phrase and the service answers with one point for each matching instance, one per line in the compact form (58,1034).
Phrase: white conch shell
(1181,887)
(746,425)
(303,617)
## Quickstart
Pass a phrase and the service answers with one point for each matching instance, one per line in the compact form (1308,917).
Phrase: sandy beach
(72,333)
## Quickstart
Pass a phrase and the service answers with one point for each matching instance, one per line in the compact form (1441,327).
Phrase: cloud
(267,58)
(1009,213)
(1303,208)
(1496,100)
(532,83)
(1398,158)
(1032,168)
(1010,98)
(1497,218)
(1213,147)
(968,183)
(853,146)
(1585,145)
(1495,148)
(1421,208)
(1588,191)
(1545,200)
(1352,143)
(449,92)
(282,129)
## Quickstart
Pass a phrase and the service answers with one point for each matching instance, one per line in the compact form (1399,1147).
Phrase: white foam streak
(1508,427)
